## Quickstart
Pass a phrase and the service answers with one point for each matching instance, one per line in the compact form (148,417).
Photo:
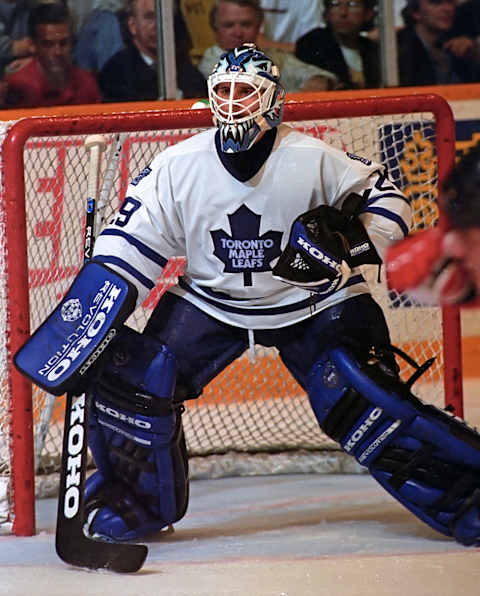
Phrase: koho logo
(362,429)
(318,255)
(76,436)
(109,411)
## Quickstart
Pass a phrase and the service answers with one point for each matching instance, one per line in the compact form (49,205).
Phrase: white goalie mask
(245,97)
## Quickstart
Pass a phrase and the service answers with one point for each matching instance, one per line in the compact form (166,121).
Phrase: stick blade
(80,551)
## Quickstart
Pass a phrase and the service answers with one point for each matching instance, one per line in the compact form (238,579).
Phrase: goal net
(252,409)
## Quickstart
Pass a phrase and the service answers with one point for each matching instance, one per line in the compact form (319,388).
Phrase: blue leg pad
(426,458)
(137,441)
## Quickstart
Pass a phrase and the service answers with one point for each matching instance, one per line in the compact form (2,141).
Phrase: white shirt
(287,21)
(232,232)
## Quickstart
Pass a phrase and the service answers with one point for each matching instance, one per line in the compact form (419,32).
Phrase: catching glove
(324,245)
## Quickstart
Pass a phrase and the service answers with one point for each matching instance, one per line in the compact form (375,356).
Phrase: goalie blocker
(426,458)
(63,349)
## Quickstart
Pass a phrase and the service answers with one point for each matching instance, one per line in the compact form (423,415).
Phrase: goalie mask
(245,96)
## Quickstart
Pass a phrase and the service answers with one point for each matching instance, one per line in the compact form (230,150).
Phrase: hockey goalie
(275,225)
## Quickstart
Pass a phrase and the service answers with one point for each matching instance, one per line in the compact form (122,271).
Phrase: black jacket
(320,47)
(467,19)
(416,66)
(127,77)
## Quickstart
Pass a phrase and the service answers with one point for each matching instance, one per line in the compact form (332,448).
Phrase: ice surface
(259,536)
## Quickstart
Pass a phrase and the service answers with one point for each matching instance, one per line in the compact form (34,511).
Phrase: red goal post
(413,135)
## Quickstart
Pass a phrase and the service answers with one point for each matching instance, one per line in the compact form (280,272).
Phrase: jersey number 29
(128,208)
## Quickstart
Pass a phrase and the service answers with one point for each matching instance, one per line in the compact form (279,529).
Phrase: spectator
(236,22)
(102,35)
(15,41)
(286,21)
(105,32)
(429,53)
(131,74)
(340,48)
(49,78)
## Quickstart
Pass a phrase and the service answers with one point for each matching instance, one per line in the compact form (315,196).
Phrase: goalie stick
(71,543)
(99,210)
(109,179)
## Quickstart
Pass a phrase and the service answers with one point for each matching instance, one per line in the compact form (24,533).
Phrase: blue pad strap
(426,458)
(62,350)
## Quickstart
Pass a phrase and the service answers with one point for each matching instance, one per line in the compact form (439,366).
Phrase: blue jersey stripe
(140,246)
(389,215)
(388,195)
(145,281)
(311,301)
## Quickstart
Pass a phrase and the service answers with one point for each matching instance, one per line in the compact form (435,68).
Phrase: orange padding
(448,92)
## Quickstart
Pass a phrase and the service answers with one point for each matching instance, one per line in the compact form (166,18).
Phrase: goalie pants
(204,346)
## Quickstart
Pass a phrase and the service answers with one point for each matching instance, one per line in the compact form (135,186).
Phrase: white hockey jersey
(231,232)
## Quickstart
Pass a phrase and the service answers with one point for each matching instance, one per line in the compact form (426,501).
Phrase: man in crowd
(131,73)
(239,21)
(49,77)
(340,48)
(429,50)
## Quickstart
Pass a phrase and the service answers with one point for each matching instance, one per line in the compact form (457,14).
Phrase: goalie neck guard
(245,97)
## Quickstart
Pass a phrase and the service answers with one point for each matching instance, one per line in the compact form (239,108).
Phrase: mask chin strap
(262,122)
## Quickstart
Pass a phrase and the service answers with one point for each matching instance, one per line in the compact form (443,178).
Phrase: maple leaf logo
(244,250)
